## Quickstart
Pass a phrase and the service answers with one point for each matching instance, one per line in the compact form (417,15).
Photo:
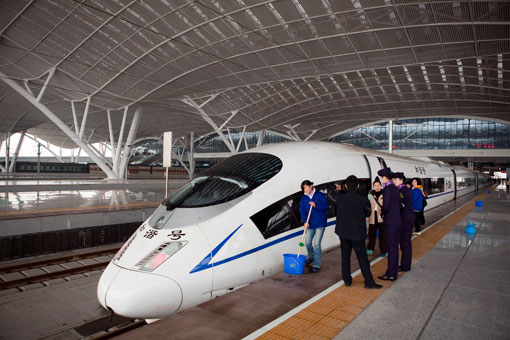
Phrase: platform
(319,306)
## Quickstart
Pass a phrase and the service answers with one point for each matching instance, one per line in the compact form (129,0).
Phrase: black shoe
(400,269)
(373,286)
(347,284)
(315,269)
(387,278)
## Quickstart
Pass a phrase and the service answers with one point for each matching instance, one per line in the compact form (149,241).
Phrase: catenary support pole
(191,156)
(390,136)
(38,158)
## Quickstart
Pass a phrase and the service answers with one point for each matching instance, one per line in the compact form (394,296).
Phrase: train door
(375,164)
(454,184)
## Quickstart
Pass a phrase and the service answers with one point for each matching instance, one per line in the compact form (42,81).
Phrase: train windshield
(228,180)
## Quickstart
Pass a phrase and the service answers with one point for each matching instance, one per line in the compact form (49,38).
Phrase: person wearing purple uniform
(407,213)
(392,223)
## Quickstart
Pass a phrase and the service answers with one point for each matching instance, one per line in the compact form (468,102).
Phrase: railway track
(20,274)
(117,330)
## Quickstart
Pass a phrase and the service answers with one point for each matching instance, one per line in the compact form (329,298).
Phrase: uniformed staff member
(392,223)
(407,213)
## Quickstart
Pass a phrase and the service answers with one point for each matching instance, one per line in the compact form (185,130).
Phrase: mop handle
(304,231)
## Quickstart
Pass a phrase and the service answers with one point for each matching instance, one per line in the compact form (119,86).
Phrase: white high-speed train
(231,224)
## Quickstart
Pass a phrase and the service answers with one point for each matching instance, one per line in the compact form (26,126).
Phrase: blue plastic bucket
(293,264)
(479,203)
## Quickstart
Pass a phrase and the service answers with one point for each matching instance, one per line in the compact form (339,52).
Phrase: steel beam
(206,117)
(51,72)
(75,119)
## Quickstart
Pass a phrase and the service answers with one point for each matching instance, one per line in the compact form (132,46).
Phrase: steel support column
(119,141)
(16,152)
(7,149)
(131,136)
(85,116)
(261,138)
(59,123)
(112,138)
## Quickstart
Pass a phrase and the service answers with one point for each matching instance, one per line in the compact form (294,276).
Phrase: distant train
(140,170)
(231,224)
(52,167)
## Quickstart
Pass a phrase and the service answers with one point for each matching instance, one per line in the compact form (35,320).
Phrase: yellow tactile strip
(325,318)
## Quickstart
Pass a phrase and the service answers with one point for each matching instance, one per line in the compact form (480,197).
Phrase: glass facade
(431,133)
(214,143)
(149,151)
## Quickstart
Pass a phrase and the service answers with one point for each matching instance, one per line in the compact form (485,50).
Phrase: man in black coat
(352,209)
(392,222)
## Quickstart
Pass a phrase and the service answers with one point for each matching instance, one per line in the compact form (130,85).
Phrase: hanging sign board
(167,149)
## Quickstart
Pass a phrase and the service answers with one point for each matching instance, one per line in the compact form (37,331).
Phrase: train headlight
(160,222)
(159,255)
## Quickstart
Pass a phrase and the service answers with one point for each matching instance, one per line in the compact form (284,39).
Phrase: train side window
(433,185)
(464,182)
(279,216)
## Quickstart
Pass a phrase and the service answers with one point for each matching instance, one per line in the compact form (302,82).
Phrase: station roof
(308,69)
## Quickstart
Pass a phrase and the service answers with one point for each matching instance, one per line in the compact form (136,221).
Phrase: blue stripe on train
(205,263)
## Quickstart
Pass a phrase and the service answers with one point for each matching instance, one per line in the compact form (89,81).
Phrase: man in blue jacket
(315,200)
(392,222)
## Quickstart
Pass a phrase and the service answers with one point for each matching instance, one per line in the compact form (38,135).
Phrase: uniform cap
(398,175)
(386,172)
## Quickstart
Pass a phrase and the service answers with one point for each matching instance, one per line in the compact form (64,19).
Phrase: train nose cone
(143,295)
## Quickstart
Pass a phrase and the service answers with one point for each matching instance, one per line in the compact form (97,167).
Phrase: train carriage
(231,224)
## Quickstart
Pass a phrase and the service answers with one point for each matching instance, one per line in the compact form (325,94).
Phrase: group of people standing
(392,210)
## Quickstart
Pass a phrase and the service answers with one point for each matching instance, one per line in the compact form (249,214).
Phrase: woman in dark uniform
(407,213)
(392,223)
